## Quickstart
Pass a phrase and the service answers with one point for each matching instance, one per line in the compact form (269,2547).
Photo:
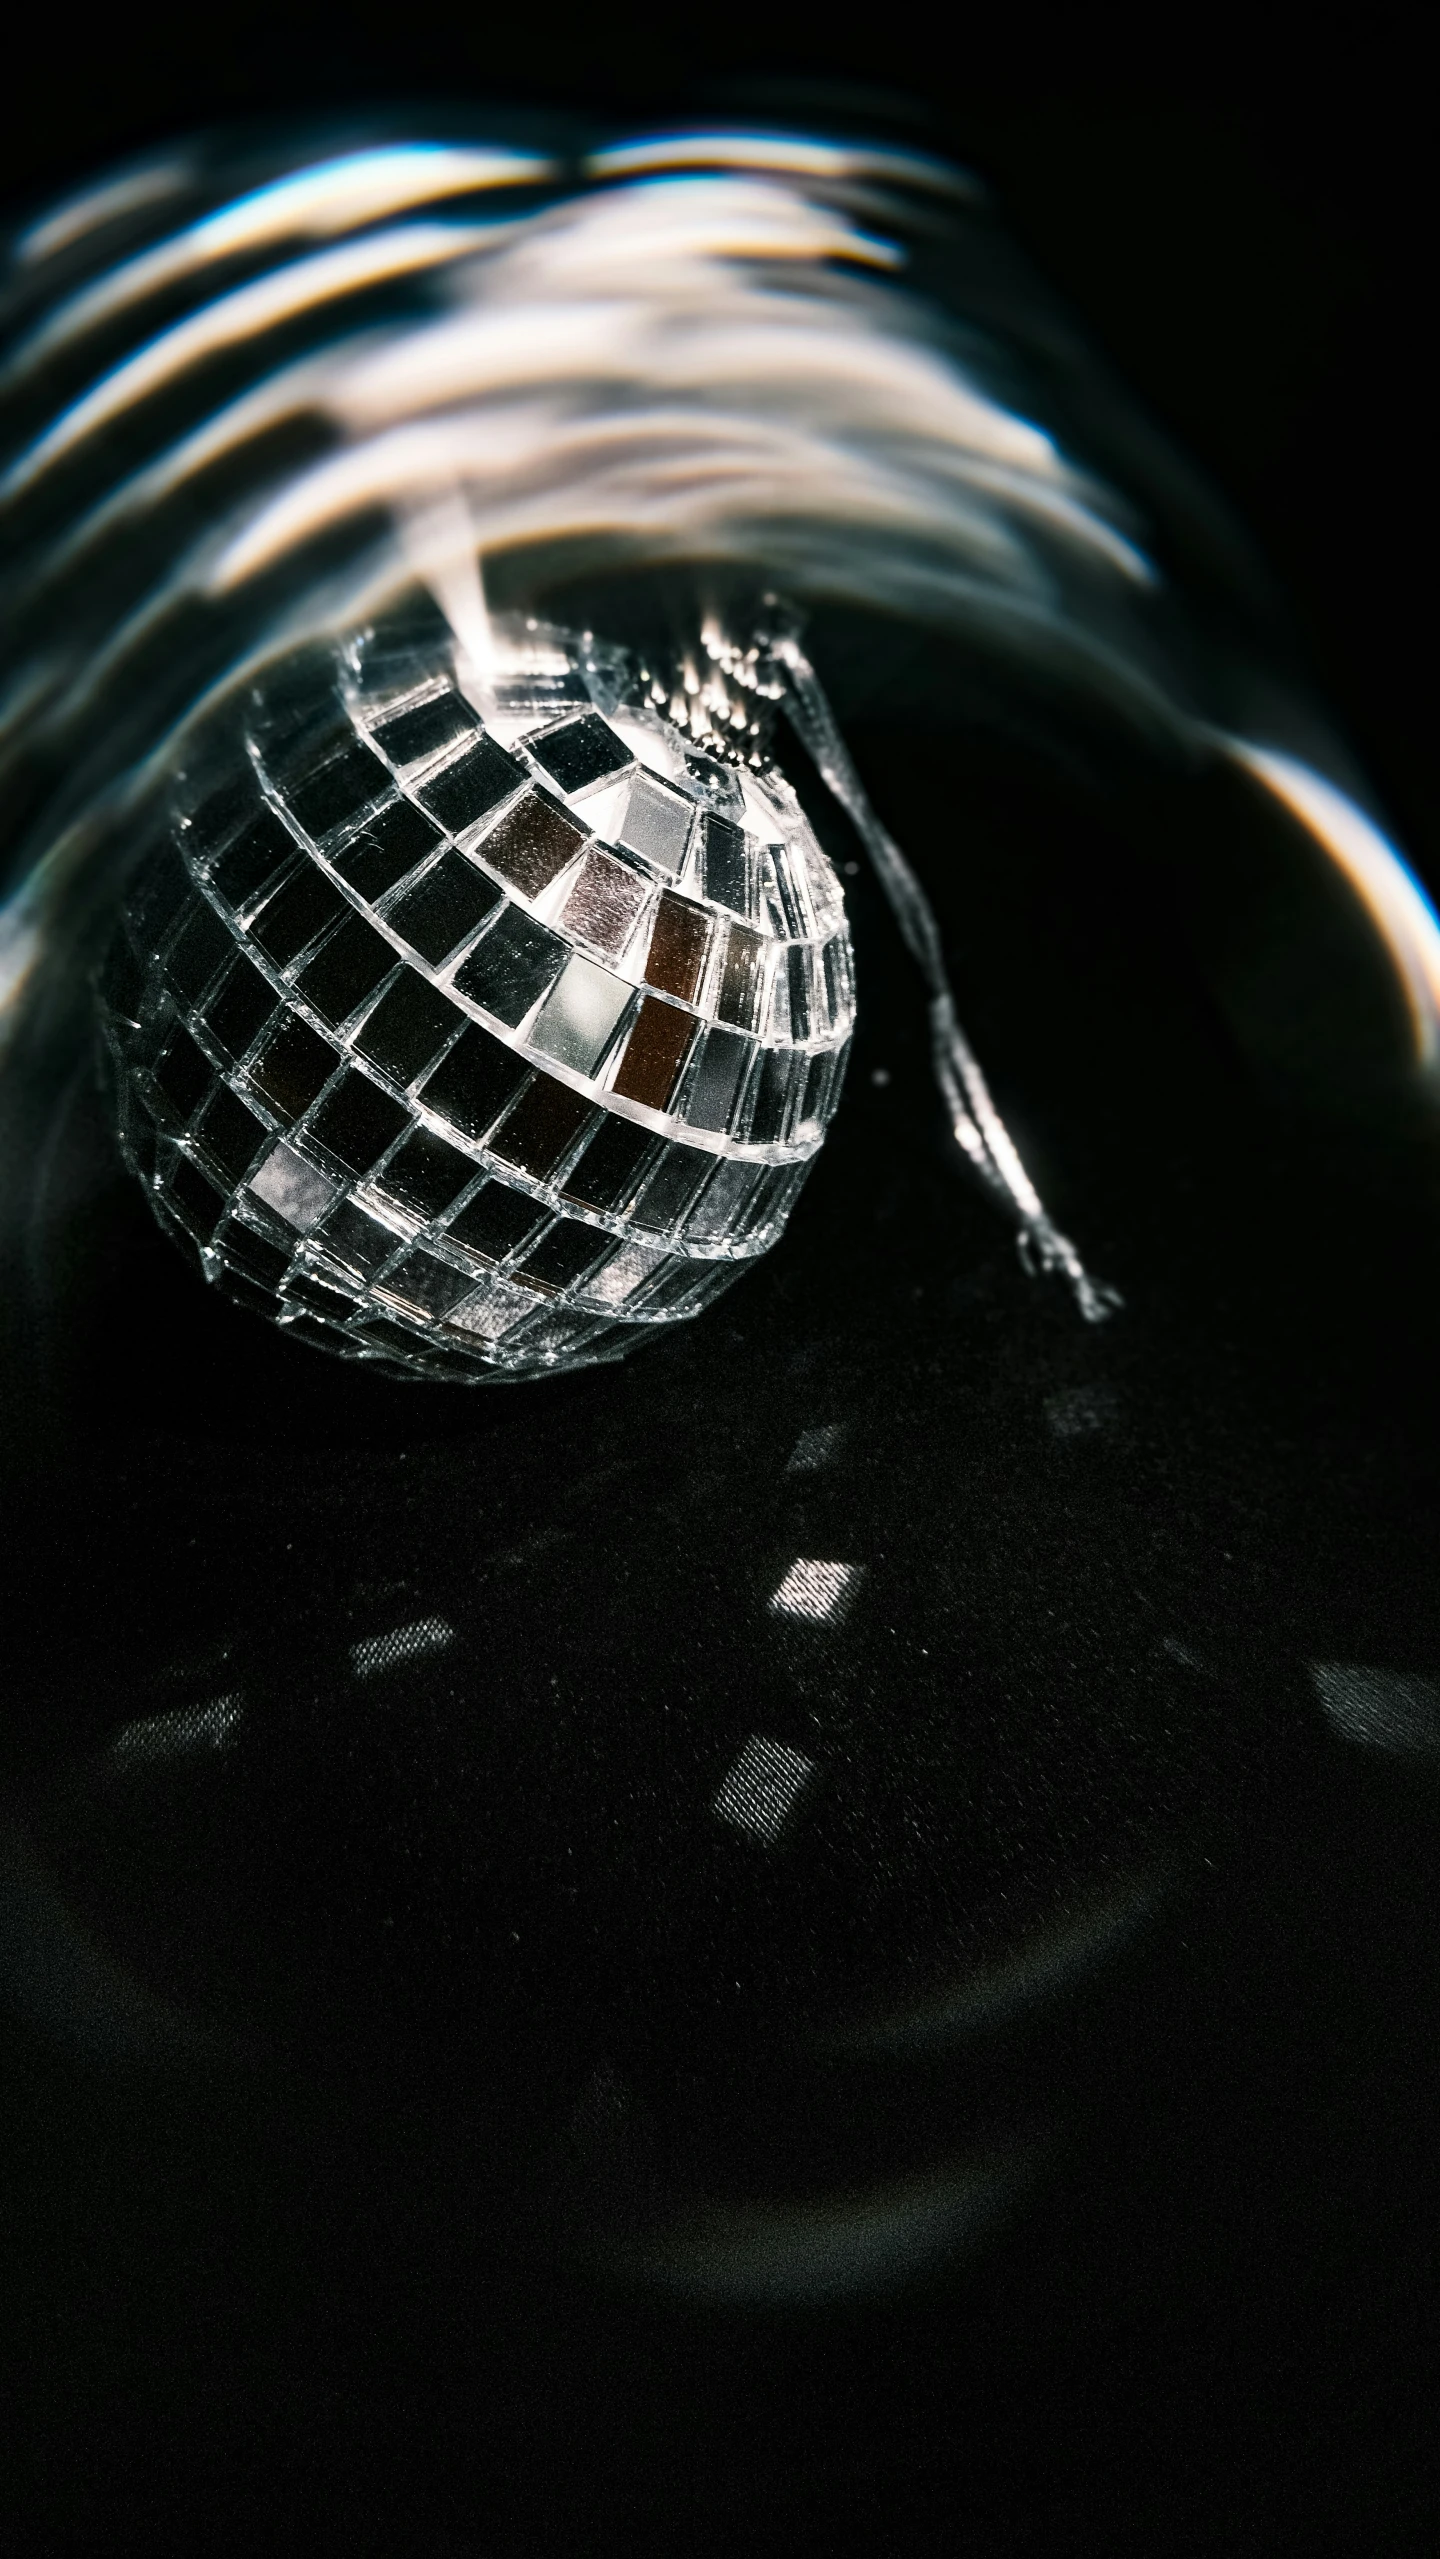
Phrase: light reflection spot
(184,1729)
(817,1448)
(761,1790)
(1079,1409)
(413,1643)
(293,1188)
(818,1592)
(1381,1709)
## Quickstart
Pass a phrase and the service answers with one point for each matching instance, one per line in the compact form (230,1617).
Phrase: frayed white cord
(978,1129)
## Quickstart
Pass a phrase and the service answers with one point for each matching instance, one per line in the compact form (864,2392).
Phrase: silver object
(474,1021)
(475,1044)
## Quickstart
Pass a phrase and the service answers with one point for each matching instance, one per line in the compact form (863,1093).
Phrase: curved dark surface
(446,2111)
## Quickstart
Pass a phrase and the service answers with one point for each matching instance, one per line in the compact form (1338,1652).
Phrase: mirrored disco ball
(473,1044)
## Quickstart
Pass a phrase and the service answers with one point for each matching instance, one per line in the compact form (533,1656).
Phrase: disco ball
(475,1042)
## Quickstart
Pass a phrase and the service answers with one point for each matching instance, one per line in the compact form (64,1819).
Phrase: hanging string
(975,1123)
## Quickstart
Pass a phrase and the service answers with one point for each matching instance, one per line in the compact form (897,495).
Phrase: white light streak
(791,152)
(315,203)
(1375,869)
(231,321)
(100,206)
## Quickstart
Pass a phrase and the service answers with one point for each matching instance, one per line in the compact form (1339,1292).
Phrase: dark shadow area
(530,2021)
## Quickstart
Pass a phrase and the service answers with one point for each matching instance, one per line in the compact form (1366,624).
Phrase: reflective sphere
(474,1041)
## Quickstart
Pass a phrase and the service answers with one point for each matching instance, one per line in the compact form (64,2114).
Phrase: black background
(1239,2355)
